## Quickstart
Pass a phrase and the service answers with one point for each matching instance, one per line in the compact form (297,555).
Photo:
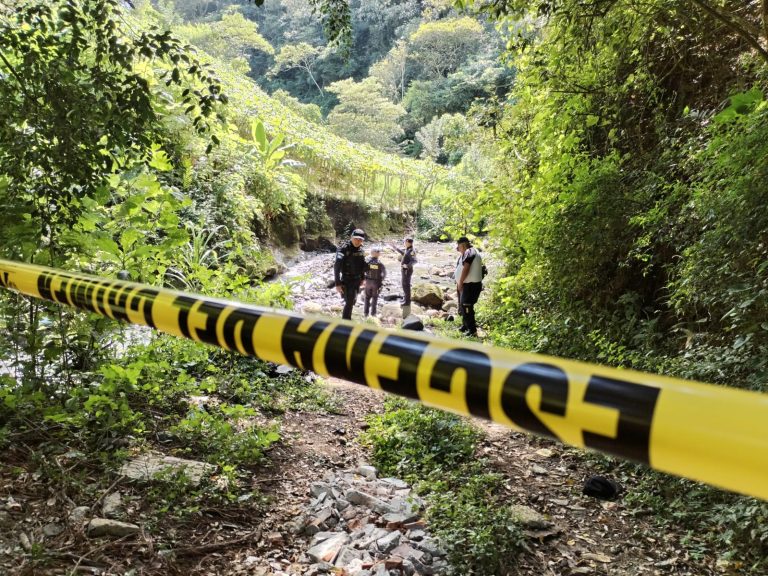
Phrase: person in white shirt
(469,283)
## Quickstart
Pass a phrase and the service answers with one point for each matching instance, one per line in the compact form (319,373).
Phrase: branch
(16,75)
(765,19)
(735,26)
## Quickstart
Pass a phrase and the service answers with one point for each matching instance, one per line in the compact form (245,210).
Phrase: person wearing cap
(469,283)
(407,260)
(375,272)
(349,270)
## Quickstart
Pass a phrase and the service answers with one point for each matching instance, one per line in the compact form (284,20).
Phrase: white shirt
(475,266)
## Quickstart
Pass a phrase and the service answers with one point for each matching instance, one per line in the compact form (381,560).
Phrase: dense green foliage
(629,172)
(435,451)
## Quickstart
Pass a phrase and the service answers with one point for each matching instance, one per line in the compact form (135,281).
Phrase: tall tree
(364,114)
(299,56)
(441,47)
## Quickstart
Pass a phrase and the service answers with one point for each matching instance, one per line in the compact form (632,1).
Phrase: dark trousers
(351,289)
(407,272)
(469,294)
(371,297)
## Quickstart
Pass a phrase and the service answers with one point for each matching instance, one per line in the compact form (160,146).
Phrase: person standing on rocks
(469,283)
(375,272)
(407,260)
(349,270)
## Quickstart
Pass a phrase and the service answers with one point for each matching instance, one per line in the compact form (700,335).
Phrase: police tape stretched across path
(714,434)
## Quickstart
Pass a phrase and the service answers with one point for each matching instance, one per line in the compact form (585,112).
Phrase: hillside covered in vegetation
(611,156)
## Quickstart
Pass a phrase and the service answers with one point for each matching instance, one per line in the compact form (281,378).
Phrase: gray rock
(53,529)
(395,482)
(106,527)
(371,502)
(395,518)
(149,466)
(321,537)
(413,322)
(369,472)
(416,535)
(389,542)
(450,305)
(528,517)
(341,504)
(539,470)
(112,505)
(326,550)
(284,369)
(78,515)
(320,568)
(319,488)
(430,546)
(406,552)
(346,556)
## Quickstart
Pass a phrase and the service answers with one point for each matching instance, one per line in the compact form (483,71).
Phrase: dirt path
(590,536)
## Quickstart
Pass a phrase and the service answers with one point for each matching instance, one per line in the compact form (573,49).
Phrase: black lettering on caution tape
(233,327)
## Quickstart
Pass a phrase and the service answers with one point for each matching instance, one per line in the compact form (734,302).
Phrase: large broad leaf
(259,135)
(741,104)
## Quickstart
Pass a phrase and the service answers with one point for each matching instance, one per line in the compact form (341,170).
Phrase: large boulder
(429,295)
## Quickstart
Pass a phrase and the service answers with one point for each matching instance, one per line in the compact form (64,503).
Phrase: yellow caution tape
(714,434)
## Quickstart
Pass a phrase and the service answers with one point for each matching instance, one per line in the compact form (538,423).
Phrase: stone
(112,505)
(53,529)
(395,482)
(317,489)
(413,322)
(149,466)
(429,545)
(539,470)
(429,295)
(346,556)
(326,550)
(79,514)
(389,542)
(371,502)
(450,305)
(321,537)
(369,472)
(416,535)
(407,552)
(545,453)
(106,527)
(528,517)
(283,369)
(311,308)
(275,539)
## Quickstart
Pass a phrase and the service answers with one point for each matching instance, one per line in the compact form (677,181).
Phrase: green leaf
(259,135)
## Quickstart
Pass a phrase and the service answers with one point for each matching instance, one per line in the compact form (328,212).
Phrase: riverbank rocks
(429,295)
(361,525)
(149,466)
(105,527)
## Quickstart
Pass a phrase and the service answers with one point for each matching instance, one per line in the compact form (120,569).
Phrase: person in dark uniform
(407,260)
(349,270)
(469,283)
(375,272)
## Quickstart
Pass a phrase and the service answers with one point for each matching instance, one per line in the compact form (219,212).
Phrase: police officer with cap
(349,270)
(469,283)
